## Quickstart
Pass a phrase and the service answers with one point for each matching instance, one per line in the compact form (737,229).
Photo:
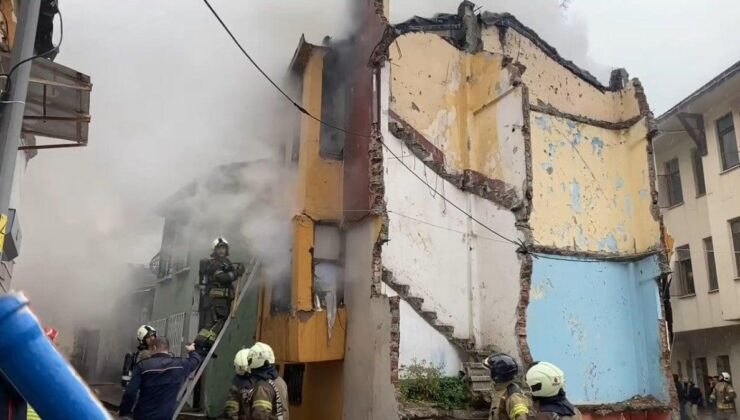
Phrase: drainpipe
(39,373)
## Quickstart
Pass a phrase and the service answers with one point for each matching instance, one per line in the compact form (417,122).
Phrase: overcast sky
(172,97)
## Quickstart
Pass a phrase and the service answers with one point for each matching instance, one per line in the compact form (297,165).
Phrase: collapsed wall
(537,151)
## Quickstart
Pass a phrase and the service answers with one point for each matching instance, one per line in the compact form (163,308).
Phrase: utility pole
(14,104)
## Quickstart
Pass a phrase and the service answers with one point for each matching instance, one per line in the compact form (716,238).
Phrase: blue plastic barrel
(39,373)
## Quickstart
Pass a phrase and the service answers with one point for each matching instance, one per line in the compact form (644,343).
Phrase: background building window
(723,365)
(702,374)
(735,228)
(679,371)
(673,183)
(727,142)
(684,273)
(711,264)
(701,187)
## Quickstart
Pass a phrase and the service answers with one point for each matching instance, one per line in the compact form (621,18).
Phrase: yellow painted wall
(301,335)
(591,188)
(322,392)
(455,100)
(319,180)
(550,82)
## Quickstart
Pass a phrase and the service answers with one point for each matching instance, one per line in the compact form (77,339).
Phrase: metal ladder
(187,388)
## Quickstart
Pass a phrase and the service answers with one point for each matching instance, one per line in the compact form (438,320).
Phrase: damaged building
(461,189)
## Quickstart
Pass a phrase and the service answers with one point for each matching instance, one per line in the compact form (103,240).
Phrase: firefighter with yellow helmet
(218,274)
(261,394)
(723,395)
(547,383)
(508,401)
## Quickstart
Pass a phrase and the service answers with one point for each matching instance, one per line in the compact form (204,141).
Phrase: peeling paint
(547,166)
(575,196)
(597,146)
(543,122)
(628,206)
(620,183)
(608,243)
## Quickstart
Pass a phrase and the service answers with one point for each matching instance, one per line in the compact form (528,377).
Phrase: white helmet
(219,242)
(241,362)
(545,379)
(725,377)
(260,355)
(144,332)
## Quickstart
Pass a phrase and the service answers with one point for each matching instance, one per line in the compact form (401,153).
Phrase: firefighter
(268,399)
(146,334)
(218,274)
(723,395)
(508,401)
(241,385)
(547,383)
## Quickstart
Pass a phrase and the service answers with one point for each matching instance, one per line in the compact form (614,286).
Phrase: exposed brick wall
(394,303)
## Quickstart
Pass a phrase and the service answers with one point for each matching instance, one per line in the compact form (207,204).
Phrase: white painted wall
(465,274)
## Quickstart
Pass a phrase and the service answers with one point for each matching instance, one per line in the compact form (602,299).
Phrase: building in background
(57,108)
(698,163)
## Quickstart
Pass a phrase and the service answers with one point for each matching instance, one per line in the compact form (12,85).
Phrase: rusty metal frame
(694,125)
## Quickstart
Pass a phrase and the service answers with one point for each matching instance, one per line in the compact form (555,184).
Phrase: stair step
(415,302)
(444,329)
(430,316)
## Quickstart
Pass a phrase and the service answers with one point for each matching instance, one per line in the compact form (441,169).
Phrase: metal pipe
(35,368)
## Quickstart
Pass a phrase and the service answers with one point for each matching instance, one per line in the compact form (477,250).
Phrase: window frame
(673,200)
(721,146)
(682,273)
(699,179)
(735,244)
(711,263)
(726,367)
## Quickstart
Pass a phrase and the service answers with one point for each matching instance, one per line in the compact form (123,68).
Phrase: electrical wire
(54,49)
(521,246)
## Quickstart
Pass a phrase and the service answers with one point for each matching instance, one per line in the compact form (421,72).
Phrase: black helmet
(503,367)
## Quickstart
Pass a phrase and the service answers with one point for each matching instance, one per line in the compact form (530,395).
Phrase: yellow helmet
(241,362)
(260,355)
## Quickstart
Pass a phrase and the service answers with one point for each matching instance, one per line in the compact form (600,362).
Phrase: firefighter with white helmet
(218,274)
(267,399)
(145,335)
(508,401)
(723,395)
(547,383)
(241,385)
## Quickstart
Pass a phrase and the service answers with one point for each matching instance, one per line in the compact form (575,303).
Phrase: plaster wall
(464,104)
(578,319)
(551,83)
(466,274)
(591,187)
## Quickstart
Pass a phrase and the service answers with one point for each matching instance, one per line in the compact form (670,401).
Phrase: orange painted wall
(322,392)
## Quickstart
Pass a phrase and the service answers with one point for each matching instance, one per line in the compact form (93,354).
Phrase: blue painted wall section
(598,321)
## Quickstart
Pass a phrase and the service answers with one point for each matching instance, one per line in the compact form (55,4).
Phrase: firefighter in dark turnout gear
(547,383)
(218,273)
(508,401)
(146,334)
(267,399)
(241,386)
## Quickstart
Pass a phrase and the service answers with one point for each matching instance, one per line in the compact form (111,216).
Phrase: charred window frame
(173,255)
(727,142)
(684,271)
(333,105)
(702,373)
(723,365)
(293,377)
(699,182)
(711,264)
(673,183)
(328,265)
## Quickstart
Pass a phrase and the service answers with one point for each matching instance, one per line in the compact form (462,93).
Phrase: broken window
(673,183)
(173,256)
(727,142)
(293,376)
(711,264)
(328,271)
(333,105)
(735,229)
(280,295)
(701,187)
(684,273)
